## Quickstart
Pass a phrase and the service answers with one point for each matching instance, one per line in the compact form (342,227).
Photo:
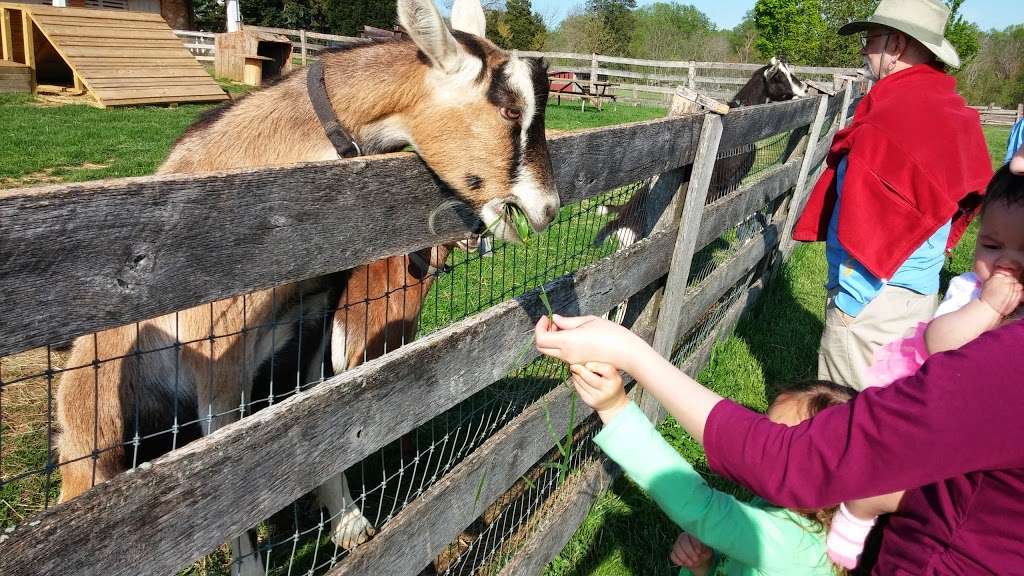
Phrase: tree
(963,35)
(519,27)
(617,17)
(791,29)
(743,39)
(836,50)
(670,32)
(581,32)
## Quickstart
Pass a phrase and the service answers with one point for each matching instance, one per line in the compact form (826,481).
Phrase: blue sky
(727,13)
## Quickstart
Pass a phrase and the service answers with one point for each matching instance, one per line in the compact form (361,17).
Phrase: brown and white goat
(473,112)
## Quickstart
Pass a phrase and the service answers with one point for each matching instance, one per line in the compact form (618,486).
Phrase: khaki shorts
(848,343)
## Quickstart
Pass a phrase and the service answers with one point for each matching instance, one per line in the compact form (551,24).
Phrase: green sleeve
(745,533)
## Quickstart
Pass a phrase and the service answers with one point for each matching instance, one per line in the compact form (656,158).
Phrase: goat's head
(782,83)
(479,123)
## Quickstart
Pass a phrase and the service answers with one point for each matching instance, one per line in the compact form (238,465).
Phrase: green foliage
(618,20)
(963,35)
(208,16)
(668,31)
(836,50)
(516,27)
(743,39)
(995,74)
(792,29)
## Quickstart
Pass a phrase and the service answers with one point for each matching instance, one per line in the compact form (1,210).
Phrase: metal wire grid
(29,465)
(505,527)
(719,251)
(706,326)
(745,164)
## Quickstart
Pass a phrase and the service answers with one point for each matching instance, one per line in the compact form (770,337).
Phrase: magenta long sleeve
(952,434)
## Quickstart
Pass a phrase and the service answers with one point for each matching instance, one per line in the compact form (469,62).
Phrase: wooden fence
(994,116)
(638,81)
(135,248)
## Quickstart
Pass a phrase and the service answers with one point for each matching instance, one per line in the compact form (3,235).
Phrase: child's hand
(601,388)
(691,553)
(1002,292)
(588,339)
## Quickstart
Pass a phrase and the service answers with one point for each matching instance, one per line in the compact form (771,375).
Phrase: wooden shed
(120,57)
(252,57)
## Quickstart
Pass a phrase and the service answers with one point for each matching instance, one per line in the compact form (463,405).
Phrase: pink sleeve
(964,402)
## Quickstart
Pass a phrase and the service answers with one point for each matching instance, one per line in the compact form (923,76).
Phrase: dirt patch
(46,176)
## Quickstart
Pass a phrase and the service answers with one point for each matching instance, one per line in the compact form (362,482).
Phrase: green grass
(775,343)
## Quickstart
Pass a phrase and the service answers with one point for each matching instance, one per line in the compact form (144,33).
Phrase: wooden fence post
(593,73)
(29,46)
(691,75)
(844,112)
(1020,112)
(682,256)
(796,199)
(302,44)
(5,34)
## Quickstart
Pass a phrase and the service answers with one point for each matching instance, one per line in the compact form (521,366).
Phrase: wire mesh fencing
(92,395)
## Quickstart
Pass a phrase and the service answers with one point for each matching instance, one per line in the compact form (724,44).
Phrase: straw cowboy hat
(922,20)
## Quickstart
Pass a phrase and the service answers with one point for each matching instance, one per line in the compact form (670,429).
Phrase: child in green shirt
(720,532)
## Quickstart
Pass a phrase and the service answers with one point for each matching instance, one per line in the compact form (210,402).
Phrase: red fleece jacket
(916,158)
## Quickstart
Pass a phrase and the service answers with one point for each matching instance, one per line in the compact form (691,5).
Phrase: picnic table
(566,84)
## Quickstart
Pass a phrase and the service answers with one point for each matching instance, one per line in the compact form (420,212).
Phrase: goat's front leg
(349,528)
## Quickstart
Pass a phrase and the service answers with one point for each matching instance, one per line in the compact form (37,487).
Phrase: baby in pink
(978,301)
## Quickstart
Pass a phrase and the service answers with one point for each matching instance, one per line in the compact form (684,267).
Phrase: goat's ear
(468,16)
(774,62)
(427,29)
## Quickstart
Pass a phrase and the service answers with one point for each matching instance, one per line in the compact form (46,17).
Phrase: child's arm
(1000,296)
(592,339)
(745,533)
(867,508)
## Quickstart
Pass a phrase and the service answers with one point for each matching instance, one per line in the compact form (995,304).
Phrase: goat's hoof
(352,530)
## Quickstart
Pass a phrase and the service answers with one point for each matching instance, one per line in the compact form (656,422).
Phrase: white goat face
(480,121)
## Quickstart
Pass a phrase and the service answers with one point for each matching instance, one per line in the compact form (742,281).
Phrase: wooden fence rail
(995,116)
(135,248)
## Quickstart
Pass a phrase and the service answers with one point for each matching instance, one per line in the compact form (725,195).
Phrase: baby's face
(787,410)
(1000,246)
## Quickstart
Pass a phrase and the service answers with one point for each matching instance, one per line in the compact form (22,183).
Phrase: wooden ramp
(120,57)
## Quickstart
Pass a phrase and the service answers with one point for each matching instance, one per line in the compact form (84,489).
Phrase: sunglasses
(864,38)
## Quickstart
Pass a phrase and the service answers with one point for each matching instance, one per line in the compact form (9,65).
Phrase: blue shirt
(857,287)
(1016,140)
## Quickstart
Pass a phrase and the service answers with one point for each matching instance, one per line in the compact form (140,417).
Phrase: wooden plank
(99,23)
(77,32)
(29,46)
(734,208)
(178,52)
(6,39)
(158,100)
(813,144)
(129,70)
(129,93)
(285,218)
(140,82)
(426,526)
(753,123)
(120,42)
(689,227)
(195,33)
(315,35)
(42,10)
(228,489)
(573,504)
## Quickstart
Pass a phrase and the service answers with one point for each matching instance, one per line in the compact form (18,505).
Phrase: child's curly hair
(815,396)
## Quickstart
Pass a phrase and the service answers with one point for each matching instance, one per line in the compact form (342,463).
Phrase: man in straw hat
(901,185)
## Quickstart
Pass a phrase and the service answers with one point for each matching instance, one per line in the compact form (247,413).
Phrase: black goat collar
(342,140)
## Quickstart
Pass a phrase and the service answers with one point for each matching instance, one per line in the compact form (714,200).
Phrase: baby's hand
(691,553)
(1002,292)
(601,388)
(587,339)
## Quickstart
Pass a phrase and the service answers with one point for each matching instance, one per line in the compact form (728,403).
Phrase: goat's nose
(551,211)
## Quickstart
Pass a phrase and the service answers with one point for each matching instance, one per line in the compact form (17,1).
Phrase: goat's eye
(511,114)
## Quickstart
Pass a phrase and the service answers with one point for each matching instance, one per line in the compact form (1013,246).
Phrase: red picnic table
(566,84)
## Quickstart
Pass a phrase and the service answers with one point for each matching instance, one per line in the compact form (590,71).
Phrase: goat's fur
(454,97)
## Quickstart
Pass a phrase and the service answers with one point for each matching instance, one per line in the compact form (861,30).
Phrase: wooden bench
(566,84)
